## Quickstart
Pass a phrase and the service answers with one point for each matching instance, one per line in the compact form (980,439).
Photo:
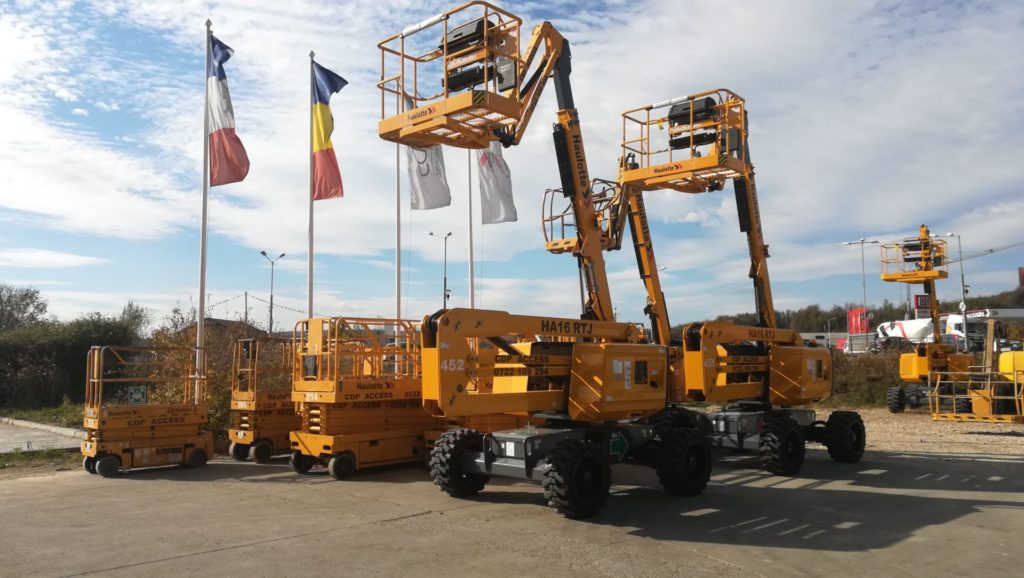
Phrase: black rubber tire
(108,466)
(896,399)
(577,480)
(445,461)
(963,405)
(680,418)
(300,463)
(240,452)
(197,458)
(781,445)
(684,463)
(341,466)
(89,464)
(845,437)
(261,452)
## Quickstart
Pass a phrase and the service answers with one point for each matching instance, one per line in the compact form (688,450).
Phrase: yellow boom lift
(921,260)
(695,144)
(591,381)
(144,407)
(263,414)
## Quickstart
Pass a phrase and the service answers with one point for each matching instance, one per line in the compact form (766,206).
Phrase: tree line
(814,318)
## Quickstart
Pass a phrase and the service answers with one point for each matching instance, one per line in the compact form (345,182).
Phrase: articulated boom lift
(694,144)
(921,260)
(582,377)
(953,387)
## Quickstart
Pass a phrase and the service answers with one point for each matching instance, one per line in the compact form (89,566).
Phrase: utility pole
(864,284)
(963,288)
(445,239)
(270,323)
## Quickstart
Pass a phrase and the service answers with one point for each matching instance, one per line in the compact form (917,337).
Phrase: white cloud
(44,259)
(79,112)
(867,119)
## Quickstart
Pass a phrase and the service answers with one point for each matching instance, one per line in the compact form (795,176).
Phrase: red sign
(921,302)
(857,321)
(1020,275)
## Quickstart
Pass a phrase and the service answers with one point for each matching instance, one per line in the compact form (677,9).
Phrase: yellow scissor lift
(922,260)
(358,384)
(262,411)
(144,407)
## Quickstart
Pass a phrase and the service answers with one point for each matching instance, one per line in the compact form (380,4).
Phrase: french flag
(228,161)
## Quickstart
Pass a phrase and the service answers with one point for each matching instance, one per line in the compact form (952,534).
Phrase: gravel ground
(915,431)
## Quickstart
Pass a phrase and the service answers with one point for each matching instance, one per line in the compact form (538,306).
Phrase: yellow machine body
(558,372)
(617,381)
(145,407)
(720,364)
(262,410)
(916,366)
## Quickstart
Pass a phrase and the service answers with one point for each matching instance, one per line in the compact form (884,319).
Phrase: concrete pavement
(893,513)
(15,435)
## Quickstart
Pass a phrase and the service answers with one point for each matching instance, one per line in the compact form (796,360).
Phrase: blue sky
(867,119)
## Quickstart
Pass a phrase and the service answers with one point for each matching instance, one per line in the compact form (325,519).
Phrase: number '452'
(453,365)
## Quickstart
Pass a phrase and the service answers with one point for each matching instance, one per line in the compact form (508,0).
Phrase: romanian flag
(326,176)
(228,161)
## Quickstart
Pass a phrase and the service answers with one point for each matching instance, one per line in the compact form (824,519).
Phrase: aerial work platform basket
(263,414)
(452,79)
(691,144)
(915,260)
(980,394)
(144,407)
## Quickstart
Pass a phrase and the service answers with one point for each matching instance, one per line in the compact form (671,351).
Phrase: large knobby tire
(89,464)
(845,437)
(578,479)
(341,466)
(300,463)
(197,458)
(684,463)
(896,399)
(446,463)
(680,418)
(963,405)
(781,445)
(261,452)
(108,466)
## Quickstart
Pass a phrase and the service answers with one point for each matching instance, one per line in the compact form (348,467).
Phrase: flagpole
(398,231)
(469,180)
(309,250)
(201,320)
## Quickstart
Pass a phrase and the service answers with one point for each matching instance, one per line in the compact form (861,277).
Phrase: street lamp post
(445,238)
(270,323)
(864,282)
(828,331)
(963,286)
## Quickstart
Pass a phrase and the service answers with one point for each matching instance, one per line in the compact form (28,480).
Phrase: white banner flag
(428,185)
(496,203)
